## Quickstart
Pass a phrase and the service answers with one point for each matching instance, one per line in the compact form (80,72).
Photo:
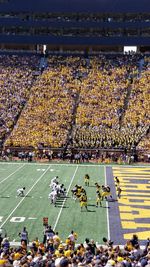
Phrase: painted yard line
(65,199)
(108,224)
(24,197)
(128,176)
(136,193)
(81,165)
(12,174)
(135,179)
(147,198)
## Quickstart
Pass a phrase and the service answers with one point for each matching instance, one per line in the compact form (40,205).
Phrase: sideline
(80,164)
(107,212)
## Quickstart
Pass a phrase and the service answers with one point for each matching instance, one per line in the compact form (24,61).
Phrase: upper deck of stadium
(83,25)
(108,6)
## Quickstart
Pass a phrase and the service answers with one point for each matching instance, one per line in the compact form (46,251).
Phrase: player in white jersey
(54,181)
(58,188)
(53,196)
(20,192)
(62,190)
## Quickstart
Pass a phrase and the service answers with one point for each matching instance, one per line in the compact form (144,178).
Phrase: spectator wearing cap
(64,262)
(60,251)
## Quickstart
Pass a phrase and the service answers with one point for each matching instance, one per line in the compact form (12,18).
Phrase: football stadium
(74,133)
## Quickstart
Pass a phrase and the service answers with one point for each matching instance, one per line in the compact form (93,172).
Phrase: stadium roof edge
(66,6)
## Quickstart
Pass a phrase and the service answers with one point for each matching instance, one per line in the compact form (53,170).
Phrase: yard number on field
(18,219)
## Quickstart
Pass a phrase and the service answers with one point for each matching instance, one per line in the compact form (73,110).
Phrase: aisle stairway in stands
(69,140)
(43,63)
(126,101)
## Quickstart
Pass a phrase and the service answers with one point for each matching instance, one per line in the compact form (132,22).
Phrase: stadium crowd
(88,101)
(95,137)
(16,78)
(54,253)
(48,115)
(106,118)
(145,143)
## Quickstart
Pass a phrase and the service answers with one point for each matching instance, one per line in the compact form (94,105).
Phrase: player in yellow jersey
(98,188)
(98,199)
(105,192)
(117,182)
(76,191)
(87,179)
(83,202)
(83,192)
(119,190)
(79,191)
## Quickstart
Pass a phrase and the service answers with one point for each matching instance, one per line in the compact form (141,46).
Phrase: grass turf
(16,212)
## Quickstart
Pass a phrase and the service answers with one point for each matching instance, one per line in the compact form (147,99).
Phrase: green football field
(17,212)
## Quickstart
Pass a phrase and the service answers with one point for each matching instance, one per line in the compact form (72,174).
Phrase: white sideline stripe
(12,173)
(108,224)
(65,199)
(24,197)
(81,165)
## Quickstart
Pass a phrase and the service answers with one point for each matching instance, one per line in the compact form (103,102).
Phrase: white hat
(57,261)
(16,263)
(29,257)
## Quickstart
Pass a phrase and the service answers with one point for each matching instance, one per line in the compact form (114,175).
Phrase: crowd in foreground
(54,253)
